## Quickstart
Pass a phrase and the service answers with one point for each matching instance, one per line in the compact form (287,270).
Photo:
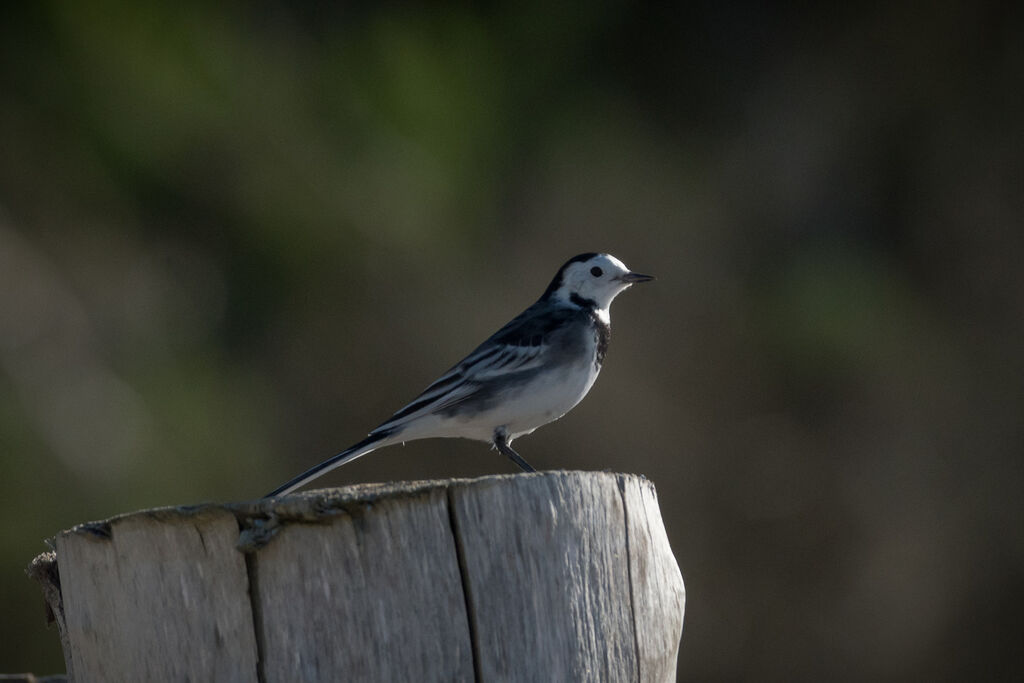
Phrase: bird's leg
(501,443)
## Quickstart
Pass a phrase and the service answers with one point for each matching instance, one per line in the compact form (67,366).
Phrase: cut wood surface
(562,576)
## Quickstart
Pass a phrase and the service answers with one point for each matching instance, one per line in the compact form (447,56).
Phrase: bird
(530,372)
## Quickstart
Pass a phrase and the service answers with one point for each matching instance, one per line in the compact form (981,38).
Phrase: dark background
(234,237)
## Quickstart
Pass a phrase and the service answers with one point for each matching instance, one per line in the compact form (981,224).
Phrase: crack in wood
(467,590)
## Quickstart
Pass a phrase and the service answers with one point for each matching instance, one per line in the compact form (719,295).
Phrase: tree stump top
(547,576)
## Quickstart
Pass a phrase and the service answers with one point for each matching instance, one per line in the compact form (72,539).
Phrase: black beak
(635,277)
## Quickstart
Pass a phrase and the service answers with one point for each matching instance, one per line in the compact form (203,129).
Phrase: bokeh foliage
(235,236)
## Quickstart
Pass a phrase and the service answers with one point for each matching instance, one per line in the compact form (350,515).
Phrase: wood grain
(658,595)
(157,598)
(547,576)
(375,593)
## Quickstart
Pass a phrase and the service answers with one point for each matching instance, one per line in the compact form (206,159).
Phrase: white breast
(548,398)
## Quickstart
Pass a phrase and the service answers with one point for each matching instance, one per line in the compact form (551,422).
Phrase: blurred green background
(236,236)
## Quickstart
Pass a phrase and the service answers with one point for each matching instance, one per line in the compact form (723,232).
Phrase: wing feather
(519,346)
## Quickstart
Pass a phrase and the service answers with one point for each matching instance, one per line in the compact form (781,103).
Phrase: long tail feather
(368,444)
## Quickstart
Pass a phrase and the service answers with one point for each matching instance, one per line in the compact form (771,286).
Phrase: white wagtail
(532,371)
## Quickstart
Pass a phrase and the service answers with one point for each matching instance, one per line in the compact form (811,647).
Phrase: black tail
(347,455)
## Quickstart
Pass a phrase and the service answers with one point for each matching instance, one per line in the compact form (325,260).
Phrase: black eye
(596,272)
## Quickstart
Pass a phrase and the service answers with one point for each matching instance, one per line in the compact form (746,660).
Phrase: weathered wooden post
(555,576)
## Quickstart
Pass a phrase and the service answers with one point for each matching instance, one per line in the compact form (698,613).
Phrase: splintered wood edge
(43,569)
(259,520)
(303,507)
(315,505)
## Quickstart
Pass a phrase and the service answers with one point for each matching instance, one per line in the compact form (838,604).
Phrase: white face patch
(597,279)
(616,262)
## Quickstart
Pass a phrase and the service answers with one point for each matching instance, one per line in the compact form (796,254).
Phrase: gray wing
(517,347)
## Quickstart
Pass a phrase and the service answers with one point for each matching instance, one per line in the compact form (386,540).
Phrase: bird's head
(593,279)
